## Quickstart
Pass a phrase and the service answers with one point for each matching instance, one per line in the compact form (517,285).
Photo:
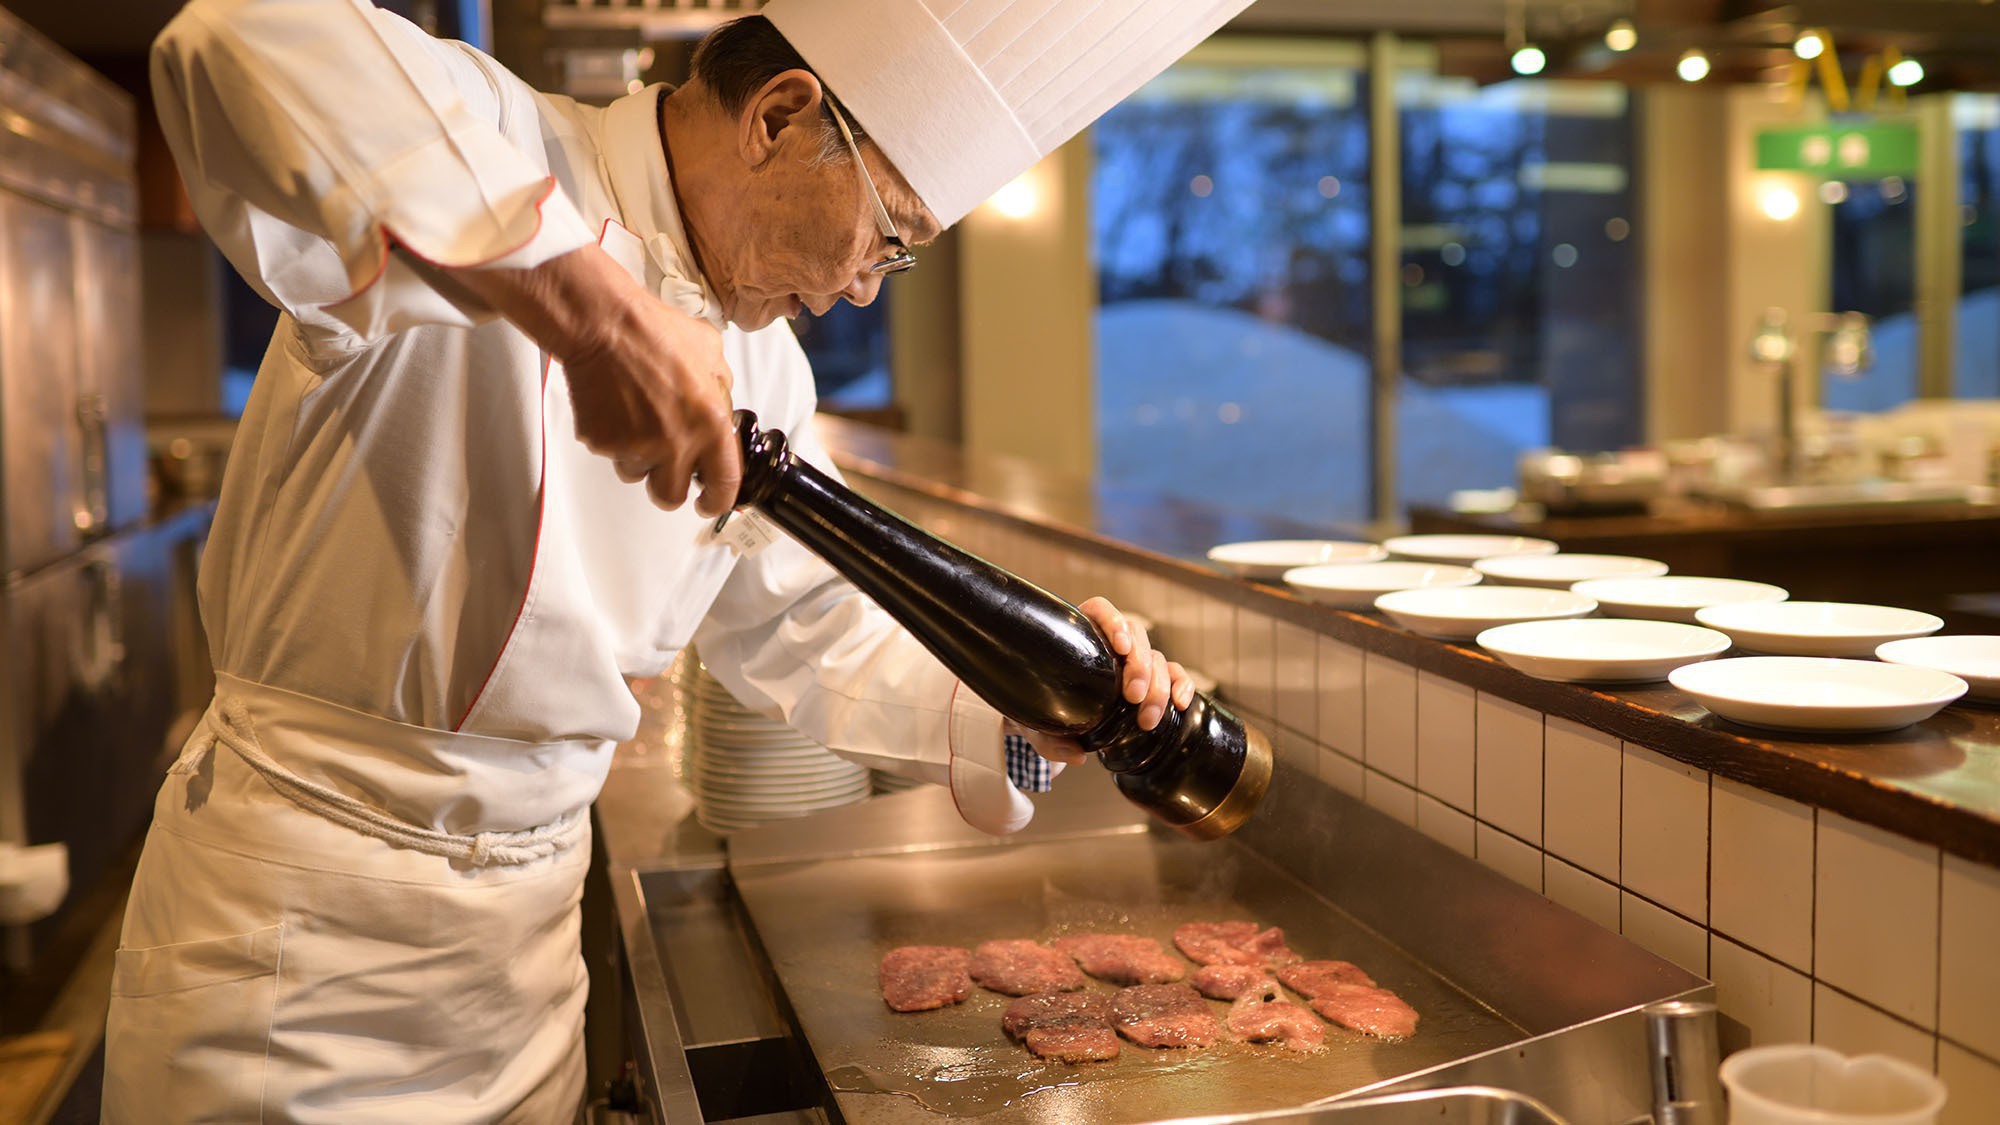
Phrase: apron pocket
(190,1028)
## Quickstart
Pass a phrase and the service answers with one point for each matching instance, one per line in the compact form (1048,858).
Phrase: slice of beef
(1372,1011)
(1310,978)
(1232,943)
(1071,1027)
(1164,1015)
(1019,967)
(1264,1016)
(918,978)
(1227,982)
(1122,958)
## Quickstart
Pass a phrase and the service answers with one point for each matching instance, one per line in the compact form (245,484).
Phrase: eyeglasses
(899,257)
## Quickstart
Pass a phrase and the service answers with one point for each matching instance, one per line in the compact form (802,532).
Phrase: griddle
(900,873)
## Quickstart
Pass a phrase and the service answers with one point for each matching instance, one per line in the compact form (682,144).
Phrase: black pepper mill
(1037,659)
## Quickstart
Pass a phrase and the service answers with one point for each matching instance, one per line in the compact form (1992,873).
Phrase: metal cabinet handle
(93,513)
(103,662)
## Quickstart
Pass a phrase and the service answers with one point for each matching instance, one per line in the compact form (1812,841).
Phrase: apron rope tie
(481,849)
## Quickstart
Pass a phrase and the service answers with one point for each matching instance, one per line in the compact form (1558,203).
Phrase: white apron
(279,964)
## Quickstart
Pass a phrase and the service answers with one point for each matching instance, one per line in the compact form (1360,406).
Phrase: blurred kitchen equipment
(189,453)
(1796,1084)
(1680,1041)
(1836,343)
(1575,483)
(1034,657)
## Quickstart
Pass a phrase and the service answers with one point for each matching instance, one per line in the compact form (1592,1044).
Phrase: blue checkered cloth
(1028,770)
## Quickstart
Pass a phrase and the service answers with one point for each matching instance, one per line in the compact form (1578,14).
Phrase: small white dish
(1817,693)
(1460,614)
(1816,628)
(1976,660)
(1271,558)
(1357,587)
(1560,572)
(1602,650)
(1672,598)
(1464,549)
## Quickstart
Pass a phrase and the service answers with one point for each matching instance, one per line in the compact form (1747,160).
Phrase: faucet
(1836,342)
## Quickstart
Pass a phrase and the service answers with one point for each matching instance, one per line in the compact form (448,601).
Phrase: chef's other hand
(1149,678)
(647,382)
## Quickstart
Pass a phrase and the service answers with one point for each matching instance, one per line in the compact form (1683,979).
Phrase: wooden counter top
(1937,781)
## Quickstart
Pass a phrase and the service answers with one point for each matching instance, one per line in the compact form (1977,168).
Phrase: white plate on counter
(1560,572)
(1816,628)
(1976,660)
(1818,694)
(1357,587)
(1464,549)
(1271,558)
(1461,614)
(1672,598)
(1602,650)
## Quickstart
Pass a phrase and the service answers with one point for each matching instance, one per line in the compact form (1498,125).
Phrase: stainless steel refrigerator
(96,592)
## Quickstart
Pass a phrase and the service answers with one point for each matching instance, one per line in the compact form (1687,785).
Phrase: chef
(454,519)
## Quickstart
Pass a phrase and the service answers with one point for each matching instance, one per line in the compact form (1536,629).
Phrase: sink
(1867,494)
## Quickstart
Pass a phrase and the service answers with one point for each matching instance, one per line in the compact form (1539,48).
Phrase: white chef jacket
(406,492)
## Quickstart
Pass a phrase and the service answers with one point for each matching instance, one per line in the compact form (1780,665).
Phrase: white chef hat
(964,95)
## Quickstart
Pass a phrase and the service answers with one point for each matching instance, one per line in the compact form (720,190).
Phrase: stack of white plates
(746,769)
(1271,558)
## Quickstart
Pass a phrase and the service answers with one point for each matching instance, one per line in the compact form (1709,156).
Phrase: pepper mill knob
(1031,655)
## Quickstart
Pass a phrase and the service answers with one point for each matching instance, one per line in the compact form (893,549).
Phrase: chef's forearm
(572,305)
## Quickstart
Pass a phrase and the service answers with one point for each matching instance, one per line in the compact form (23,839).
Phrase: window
(1231,227)
(1978,351)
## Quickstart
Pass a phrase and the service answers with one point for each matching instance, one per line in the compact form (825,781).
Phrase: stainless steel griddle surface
(826,924)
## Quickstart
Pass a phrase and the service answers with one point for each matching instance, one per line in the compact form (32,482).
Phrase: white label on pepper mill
(746,533)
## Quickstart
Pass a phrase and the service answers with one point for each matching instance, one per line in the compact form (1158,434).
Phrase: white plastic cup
(1794,1084)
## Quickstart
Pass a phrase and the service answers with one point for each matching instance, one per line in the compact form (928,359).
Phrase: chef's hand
(647,382)
(1150,679)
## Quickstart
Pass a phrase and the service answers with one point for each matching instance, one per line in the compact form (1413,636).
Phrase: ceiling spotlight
(1809,45)
(1621,36)
(1529,59)
(1909,72)
(1693,66)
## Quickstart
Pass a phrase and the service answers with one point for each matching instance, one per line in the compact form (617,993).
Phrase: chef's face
(806,235)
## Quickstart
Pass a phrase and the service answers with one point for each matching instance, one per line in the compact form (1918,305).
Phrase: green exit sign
(1840,151)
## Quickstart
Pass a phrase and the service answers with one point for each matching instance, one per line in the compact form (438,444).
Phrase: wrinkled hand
(1150,679)
(647,382)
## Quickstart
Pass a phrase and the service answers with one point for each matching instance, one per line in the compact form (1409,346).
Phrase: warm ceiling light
(1909,72)
(1809,45)
(1529,59)
(1621,36)
(1693,66)
(1780,203)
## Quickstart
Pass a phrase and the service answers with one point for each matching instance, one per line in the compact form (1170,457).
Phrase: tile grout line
(1937,993)
(1812,929)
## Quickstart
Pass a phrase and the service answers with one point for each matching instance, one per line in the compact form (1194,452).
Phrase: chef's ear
(783,112)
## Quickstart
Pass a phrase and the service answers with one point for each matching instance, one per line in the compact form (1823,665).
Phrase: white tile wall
(1441,822)
(1509,770)
(1762,861)
(1391,720)
(1218,643)
(1342,772)
(1388,795)
(1296,677)
(1969,946)
(1342,696)
(1665,933)
(1588,895)
(1580,796)
(1446,713)
(1762,1000)
(1666,831)
(1510,857)
(1892,918)
(1972,1086)
(1854,1028)
(1877,918)
(1256,660)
